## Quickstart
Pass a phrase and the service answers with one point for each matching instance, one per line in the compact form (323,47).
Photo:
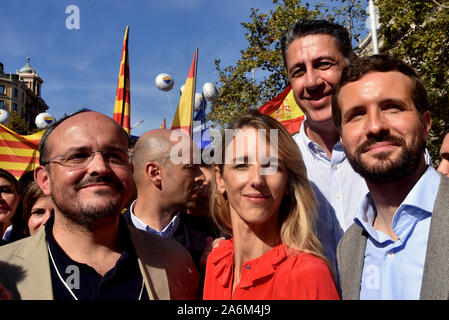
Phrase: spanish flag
(184,113)
(122,107)
(19,154)
(284,109)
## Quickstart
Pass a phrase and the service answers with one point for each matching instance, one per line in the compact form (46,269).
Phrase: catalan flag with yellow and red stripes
(184,114)
(122,107)
(19,154)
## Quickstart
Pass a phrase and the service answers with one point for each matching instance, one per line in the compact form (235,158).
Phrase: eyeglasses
(81,159)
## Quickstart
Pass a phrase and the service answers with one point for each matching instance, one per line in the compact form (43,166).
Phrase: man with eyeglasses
(87,251)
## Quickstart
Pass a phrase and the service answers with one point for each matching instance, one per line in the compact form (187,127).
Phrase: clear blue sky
(80,67)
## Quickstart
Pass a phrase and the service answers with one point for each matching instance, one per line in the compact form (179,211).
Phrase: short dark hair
(43,152)
(305,27)
(379,63)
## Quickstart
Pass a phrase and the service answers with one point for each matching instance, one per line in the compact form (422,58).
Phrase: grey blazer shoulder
(435,282)
(350,257)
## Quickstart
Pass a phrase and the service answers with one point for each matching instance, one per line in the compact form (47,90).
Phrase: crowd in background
(313,216)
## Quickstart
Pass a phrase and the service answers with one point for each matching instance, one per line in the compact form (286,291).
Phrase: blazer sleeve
(183,277)
(168,266)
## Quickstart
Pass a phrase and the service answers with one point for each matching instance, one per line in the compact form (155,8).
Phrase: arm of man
(167,266)
(211,244)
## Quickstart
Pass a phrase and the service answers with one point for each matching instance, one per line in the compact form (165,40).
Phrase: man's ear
(426,123)
(153,172)
(42,177)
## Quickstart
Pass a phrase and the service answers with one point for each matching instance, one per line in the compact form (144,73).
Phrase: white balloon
(44,120)
(181,89)
(4,116)
(164,82)
(210,92)
(199,100)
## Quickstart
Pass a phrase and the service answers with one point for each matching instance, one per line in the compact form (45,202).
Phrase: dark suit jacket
(191,233)
(435,282)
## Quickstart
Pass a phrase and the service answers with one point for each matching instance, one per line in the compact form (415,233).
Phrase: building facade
(21,93)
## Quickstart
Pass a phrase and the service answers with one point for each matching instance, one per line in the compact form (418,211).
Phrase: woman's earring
(218,200)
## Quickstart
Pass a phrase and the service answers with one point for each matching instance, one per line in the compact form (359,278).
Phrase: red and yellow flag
(122,107)
(284,109)
(19,154)
(184,113)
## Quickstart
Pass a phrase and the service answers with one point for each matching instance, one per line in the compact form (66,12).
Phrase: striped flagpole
(122,107)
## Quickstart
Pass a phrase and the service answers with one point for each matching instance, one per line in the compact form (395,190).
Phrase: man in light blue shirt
(314,54)
(380,107)
(394,269)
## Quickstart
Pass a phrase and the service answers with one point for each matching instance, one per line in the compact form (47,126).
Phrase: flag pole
(194,91)
(125,80)
(373,19)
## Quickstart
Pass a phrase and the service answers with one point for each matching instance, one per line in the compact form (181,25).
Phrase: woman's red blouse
(279,274)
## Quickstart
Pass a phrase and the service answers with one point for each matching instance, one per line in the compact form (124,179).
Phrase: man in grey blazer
(87,251)
(398,247)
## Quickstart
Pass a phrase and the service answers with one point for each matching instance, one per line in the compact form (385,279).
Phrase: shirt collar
(7,233)
(262,267)
(425,191)
(421,198)
(167,232)
(127,255)
(318,152)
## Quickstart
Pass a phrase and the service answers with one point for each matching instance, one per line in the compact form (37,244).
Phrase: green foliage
(17,124)
(418,32)
(238,91)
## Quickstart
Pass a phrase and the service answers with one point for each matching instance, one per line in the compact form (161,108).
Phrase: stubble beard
(87,215)
(386,170)
(91,215)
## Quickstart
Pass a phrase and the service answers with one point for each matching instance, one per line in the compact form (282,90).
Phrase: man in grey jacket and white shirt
(398,247)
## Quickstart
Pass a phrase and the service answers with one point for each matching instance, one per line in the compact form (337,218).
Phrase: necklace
(66,285)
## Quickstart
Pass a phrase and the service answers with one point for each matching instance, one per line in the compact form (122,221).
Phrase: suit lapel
(435,282)
(33,257)
(151,266)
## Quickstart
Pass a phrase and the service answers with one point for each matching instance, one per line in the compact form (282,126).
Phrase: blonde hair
(298,210)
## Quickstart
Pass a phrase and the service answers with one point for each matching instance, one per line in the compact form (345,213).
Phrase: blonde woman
(261,197)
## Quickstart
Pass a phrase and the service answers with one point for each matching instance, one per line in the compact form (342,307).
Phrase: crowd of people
(351,207)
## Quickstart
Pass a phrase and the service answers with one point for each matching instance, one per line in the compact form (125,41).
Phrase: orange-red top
(279,274)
